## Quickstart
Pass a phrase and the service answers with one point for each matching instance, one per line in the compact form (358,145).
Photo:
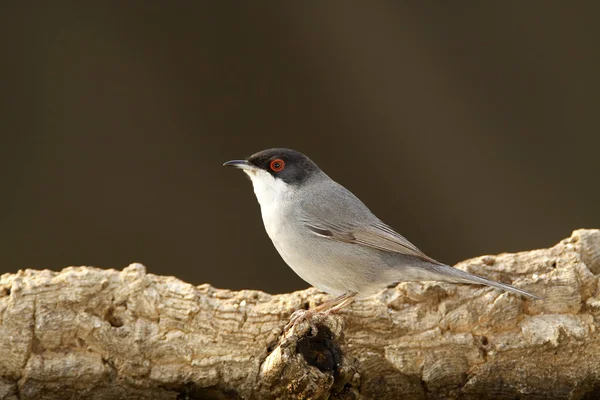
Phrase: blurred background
(471,129)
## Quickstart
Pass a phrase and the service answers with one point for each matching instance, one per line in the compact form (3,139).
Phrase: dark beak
(241,164)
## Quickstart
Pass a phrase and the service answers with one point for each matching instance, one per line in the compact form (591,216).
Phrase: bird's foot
(319,312)
(305,315)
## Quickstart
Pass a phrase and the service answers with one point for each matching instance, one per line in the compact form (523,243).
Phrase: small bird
(331,239)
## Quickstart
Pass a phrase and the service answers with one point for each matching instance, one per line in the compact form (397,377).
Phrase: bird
(331,239)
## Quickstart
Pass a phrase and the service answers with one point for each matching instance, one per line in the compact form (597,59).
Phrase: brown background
(471,129)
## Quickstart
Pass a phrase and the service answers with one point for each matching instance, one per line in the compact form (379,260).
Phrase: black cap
(289,165)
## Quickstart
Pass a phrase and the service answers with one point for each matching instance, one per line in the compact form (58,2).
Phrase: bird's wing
(337,214)
(376,235)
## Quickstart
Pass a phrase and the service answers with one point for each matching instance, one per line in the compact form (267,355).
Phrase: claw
(299,316)
(320,311)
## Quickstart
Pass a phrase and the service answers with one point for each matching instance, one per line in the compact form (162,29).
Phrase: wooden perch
(105,334)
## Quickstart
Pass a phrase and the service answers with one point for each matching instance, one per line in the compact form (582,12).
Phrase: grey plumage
(331,239)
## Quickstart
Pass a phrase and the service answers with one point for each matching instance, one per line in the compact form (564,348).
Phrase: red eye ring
(277,165)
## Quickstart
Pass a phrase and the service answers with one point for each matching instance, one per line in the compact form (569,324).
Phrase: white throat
(268,190)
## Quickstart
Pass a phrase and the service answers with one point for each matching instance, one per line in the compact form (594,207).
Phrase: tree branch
(104,334)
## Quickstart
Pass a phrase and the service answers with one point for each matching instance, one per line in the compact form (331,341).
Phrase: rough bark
(105,334)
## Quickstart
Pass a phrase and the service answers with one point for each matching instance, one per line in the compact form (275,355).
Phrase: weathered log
(104,334)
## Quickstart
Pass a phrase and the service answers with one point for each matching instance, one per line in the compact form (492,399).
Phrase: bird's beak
(241,164)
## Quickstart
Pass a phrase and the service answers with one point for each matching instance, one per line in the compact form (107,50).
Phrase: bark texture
(104,334)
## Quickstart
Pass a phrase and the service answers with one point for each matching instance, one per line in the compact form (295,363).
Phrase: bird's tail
(447,273)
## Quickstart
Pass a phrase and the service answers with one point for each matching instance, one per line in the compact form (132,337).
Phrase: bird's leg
(336,304)
(326,308)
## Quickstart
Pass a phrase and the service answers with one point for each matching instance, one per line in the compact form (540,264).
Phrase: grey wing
(350,221)
(377,235)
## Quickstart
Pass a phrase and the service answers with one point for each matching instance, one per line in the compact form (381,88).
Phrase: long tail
(449,274)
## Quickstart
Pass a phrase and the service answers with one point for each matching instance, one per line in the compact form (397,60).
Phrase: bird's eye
(277,165)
